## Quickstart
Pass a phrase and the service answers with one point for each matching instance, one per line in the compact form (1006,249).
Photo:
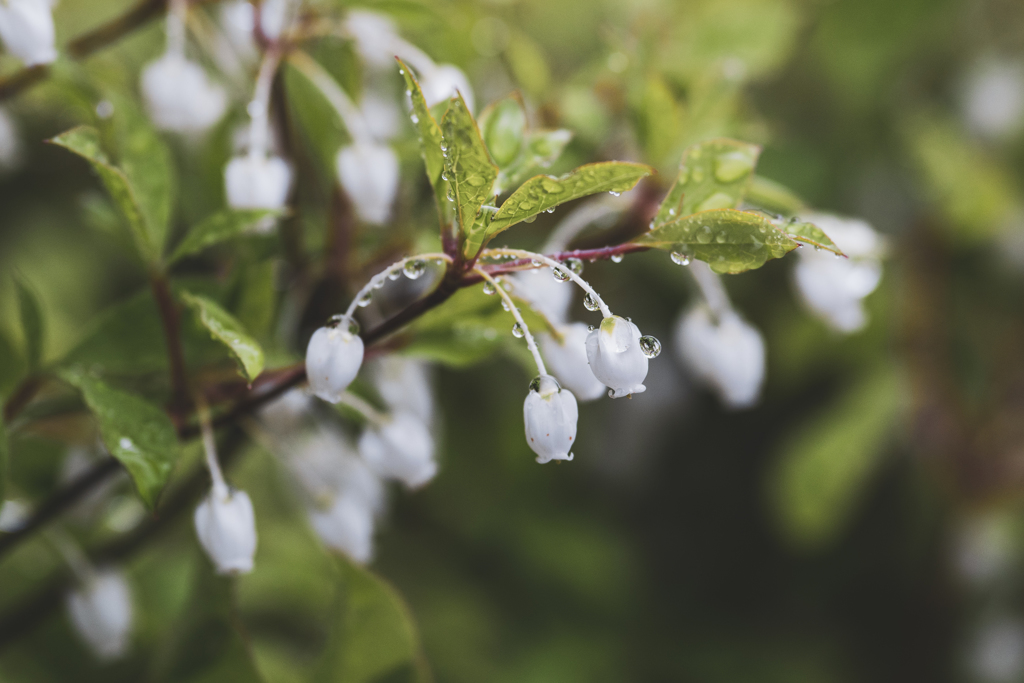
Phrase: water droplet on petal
(414,269)
(590,328)
(517,331)
(590,303)
(650,346)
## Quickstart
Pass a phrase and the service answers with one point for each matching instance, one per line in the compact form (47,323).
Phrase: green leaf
(219,227)
(469,168)
(32,327)
(729,241)
(137,433)
(824,468)
(225,328)
(430,141)
(774,197)
(257,297)
(207,645)
(808,233)
(545,192)
(503,125)
(373,639)
(85,142)
(4,453)
(542,149)
(712,175)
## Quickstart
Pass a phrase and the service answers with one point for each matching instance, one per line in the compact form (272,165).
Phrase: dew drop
(721,237)
(617,258)
(704,235)
(590,303)
(365,300)
(614,193)
(535,263)
(550,210)
(680,259)
(414,269)
(489,288)
(650,346)
(560,274)
(732,166)
(504,304)
(551,186)
(394,275)
(575,264)
(450,194)
(415,119)
(378,284)
(535,384)
(590,328)
(517,331)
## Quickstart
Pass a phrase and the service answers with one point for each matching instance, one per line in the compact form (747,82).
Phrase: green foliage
(135,187)
(4,455)
(541,149)
(469,170)
(137,433)
(373,638)
(712,175)
(546,192)
(824,467)
(772,196)
(220,227)
(429,133)
(32,327)
(503,126)
(225,328)
(729,241)
(808,233)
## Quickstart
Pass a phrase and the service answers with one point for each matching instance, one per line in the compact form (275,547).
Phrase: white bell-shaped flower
(326,465)
(287,412)
(101,612)
(441,83)
(993,99)
(544,292)
(10,144)
(402,448)
(616,357)
(834,287)
(237,20)
(550,414)
(226,526)
(375,37)
(727,354)
(567,361)
(381,113)
(26,29)
(257,182)
(275,16)
(180,96)
(996,654)
(404,385)
(369,173)
(333,358)
(346,526)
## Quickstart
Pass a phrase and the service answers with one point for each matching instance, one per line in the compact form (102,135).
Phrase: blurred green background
(831,533)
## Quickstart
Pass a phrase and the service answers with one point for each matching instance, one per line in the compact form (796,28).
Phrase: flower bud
(727,354)
(226,526)
(179,95)
(333,358)
(544,292)
(347,526)
(257,182)
(550,414)
(26,29)
(834,287)
(442,82)
(369,173)
(401,449)
(567,360)
(616,358)
(101,612)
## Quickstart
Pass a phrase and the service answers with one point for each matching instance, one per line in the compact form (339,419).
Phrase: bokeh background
(861,523)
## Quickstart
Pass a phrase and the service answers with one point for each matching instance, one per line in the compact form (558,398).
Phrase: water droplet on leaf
(679,258)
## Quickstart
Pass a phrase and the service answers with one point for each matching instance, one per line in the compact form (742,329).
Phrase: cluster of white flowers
(26,29)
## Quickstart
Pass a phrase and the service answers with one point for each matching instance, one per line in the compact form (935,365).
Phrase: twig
(171,322)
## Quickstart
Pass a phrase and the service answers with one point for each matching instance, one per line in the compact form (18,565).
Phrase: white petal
(333,358)
(728,356)
(26,29)
(327,466)
(346,526)
(226,527)
(375,36)
(404,384)
(568,362)
(369,174)
(180,97)
(442,83)
(401,449)
(257,182)
(101,612)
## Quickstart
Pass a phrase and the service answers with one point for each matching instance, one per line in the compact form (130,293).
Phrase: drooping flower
(369,173)
(545,293)
(727,354)
(616,357)
(275,17)
(238,19)
(333,358)
(226,527)
(402,448)
(180,96)
(101,613)
(375,37)
(347,526)
(550,414)
(567,361)
(26,29)
(442,82)
(257,182)
(834,287)
(404,385)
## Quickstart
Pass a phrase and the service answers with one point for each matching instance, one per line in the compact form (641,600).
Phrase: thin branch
(21,397)
(171,322)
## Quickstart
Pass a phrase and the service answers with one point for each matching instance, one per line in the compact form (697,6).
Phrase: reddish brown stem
(171,322)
